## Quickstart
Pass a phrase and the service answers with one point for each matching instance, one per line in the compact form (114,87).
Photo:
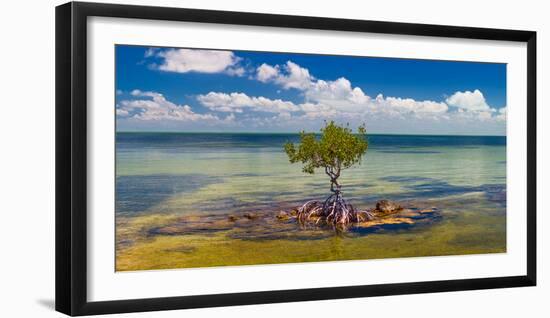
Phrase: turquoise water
(162,176)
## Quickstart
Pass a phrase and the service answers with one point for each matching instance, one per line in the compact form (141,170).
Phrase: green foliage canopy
(337,148)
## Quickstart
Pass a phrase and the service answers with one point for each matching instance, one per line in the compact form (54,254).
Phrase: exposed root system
(333,211)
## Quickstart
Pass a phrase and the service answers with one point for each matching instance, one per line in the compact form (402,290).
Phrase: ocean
(175,191)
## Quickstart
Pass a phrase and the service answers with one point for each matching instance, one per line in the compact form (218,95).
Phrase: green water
(175,192)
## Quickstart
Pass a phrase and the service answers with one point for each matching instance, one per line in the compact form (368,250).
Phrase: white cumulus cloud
(473,101)
(265,72)
(290,75)
(199,61)
(338,92)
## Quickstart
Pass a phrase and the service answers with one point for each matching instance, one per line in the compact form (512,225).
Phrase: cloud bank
(322,99)
(152,106)
(236,102)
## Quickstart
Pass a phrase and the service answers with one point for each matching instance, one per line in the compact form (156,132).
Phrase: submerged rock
(282,215)
(398,218)
(269,224)
(383,221)
(430,210)
(193,224)
(366,215)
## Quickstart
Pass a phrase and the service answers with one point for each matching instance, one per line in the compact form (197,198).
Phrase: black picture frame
(71,157)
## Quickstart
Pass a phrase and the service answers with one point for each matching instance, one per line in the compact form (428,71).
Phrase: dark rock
(250,216)
(232,218)
(385,206)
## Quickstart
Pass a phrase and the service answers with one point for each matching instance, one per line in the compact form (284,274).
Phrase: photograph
(245,159)
(230,157)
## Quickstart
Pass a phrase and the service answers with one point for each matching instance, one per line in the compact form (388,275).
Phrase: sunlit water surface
(175,192)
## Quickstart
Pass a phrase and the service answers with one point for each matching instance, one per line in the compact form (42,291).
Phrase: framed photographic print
(208,158)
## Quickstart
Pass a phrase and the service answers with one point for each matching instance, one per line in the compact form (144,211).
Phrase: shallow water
(175,192)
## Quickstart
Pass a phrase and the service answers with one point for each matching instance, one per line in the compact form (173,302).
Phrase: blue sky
(171,89)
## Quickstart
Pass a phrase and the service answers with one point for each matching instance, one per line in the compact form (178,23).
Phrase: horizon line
(291,133)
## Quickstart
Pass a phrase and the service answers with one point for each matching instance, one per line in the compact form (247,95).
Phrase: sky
(198,90)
